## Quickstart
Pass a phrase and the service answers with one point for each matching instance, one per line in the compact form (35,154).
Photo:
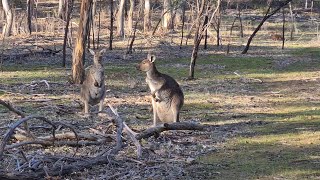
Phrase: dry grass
(267,113)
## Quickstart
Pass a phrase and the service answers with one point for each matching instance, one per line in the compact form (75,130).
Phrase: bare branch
(10,132)
(172,126)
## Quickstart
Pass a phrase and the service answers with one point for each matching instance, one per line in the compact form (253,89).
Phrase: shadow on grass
(249,160)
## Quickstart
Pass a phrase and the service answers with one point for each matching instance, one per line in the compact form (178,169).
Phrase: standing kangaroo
(93,88)
(167,96)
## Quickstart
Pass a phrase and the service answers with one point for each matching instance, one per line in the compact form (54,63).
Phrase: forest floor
(262,109)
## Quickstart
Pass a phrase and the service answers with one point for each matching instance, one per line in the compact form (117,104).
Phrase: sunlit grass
(26,76)
(285,145)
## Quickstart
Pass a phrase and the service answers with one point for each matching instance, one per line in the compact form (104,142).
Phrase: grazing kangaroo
(167,96)
(93,88)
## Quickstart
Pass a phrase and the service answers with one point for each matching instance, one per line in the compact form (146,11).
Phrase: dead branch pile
(40,164)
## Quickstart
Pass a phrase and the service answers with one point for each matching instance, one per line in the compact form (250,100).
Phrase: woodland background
(249,70)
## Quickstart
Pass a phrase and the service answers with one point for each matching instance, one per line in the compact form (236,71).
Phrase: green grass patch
(306,52)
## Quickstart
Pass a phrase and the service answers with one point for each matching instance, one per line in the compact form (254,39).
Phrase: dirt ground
(241,98)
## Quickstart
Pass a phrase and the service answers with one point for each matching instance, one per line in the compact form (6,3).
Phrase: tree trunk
(99,27)
(261,23)
(111,25)
(69,8)
(29,15)
(129,50)
(79,50)
(218,25)
(283,24)
(167,18)
(9,19)
(130,16)
(61,10)
(120,19)
(195,50)
(178,14)
(306,4)
(94,8)
(183,21)
(240,20)
(197,39)
(230,35)
(292,26)
(147,16)
(206,19)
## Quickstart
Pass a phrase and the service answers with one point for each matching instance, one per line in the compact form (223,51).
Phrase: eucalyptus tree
(9,18)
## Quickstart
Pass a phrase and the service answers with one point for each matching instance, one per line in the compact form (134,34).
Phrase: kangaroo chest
(153,85)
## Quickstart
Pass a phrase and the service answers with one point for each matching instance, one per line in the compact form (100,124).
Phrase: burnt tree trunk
(7,29)
(69,8)
(261,23)
(79,50)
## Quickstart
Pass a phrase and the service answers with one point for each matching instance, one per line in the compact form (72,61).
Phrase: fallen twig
(10,132)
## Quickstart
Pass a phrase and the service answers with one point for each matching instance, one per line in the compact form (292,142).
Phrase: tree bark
(167,18)
(196,40)
(261,23)
(293,25)
(79,50)
(120,19)
(218,25)
(283,29)
(111,25)
(129,51)
(61,10)
(94,8)
(199,33)
(69,8)
(29,14)
(130,16)
(147,16)
(306,4)
(7,29)
(240,20)
(183,21)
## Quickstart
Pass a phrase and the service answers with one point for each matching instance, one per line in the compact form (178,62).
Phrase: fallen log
(170,126)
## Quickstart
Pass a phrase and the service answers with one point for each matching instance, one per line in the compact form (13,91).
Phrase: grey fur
(167,95)
(93,88)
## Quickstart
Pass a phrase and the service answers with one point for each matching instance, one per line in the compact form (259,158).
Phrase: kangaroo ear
(92,52)
(151,58)
(102,51)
